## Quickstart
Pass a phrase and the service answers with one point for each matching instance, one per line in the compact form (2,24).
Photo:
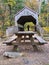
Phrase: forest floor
(30,57)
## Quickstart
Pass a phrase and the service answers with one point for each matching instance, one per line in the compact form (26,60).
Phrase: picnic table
(23,35)
(18,37)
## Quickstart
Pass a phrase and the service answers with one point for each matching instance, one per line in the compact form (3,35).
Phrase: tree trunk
(10,14)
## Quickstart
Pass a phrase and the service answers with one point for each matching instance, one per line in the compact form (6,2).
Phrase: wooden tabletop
(25,32)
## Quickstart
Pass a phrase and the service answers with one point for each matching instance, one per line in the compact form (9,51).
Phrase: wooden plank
(40,39)
(10,39)
(25,33)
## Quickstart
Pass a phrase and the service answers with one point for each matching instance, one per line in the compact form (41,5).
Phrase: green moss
(46,29)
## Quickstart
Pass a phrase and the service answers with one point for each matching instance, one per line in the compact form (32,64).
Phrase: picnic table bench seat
(40,39)
(10,40)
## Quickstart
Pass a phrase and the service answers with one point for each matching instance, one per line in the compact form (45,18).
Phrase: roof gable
(26,12)
(26,9)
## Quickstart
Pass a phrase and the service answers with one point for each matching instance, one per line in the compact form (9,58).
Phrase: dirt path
(31,57)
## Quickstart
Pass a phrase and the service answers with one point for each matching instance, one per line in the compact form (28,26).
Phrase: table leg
(32,40)
(24,37)
(33,44)
(18,40)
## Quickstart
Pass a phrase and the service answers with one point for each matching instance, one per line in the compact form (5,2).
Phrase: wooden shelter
(25,15)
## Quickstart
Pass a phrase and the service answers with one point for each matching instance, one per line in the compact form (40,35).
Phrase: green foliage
(31,25)
(42,19)
(43,14)
(9,2)
(43,7)
(46,29)
(19,5)
(8,9)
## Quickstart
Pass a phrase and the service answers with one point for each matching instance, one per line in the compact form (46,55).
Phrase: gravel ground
(30,57)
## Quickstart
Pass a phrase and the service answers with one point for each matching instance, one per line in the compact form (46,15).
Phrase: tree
(10,4)
(43,7)
(2,17)
(43,14)
(5,14)
(19,5)
(8,9)
(33,4)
